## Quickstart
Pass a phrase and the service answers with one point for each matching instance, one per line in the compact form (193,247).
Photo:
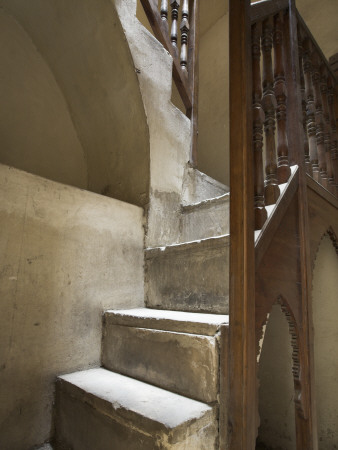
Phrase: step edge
(204,204)
(214,241)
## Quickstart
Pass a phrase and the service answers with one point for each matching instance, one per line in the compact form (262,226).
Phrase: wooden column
(327,129)
(319,120)
(258,120)
(310,108)
(283,167)
(302,88)
(269,105)
(306,425)
(242,351)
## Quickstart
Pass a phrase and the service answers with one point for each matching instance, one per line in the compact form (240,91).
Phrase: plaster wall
(65,256)
(36,130)
(276,393)
(77,49)
(325,313)
(213,137)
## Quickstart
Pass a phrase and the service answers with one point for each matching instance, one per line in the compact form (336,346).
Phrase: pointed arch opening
(278,375)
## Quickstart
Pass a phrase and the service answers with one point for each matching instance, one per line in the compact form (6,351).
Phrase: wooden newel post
(242,410)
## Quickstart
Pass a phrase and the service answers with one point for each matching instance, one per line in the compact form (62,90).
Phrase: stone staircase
(159,386)
(163,366)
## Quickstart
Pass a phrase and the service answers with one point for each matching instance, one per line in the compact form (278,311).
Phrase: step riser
(87,421)
(183,363)
(191,277)
(80,427)
(204,221)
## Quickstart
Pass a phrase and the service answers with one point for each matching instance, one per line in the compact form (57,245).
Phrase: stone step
(101,410)
(204,219)
(197,187)
(177,351)
(193,276)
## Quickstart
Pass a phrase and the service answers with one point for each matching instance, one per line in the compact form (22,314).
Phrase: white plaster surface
(66,255)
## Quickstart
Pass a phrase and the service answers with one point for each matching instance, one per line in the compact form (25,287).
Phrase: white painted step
(207,218)
(101,410)
(193,276)
(166,348)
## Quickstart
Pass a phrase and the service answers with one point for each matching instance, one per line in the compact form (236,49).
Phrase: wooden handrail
(265,8)
(316,46)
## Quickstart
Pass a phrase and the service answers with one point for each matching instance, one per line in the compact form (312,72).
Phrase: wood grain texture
(242,363)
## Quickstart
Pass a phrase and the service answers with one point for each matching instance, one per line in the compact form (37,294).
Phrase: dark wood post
(269,105)
(258,120)
(319,120)
(242,350)
(283,169)
(302,87)
(310,108)
(306,425)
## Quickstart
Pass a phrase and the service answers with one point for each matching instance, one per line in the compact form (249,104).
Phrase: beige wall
(325,313)
(65,256)
(36,129)
(213,138)
(70,72)
(276,394)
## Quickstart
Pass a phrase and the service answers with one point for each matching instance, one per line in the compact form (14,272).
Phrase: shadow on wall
(325,313)
(71,106)
(276,392)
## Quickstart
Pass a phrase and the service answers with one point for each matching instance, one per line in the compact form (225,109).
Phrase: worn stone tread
(114,394)
(166,320)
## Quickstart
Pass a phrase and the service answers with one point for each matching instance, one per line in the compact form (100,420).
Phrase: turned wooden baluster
(164,10)
(327,129)
(269,105)
(308,165)
(258,120)
(175,4)
(184,34)
(319,120)
(283,168)
(310,107)
(334,144)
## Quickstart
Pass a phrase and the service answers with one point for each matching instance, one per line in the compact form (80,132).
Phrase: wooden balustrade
(182,17)
(320,83)
(270,107)
(283,166)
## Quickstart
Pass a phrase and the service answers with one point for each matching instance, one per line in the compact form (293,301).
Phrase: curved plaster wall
(325,313)
(276,392)
(36,130)
(84,46)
